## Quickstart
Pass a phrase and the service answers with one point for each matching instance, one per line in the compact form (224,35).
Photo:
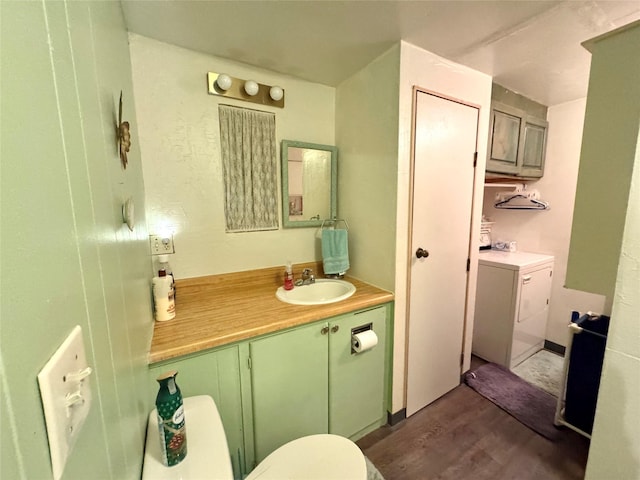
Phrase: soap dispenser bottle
(171,421)
(288,277)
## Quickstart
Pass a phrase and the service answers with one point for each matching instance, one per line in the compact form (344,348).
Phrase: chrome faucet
(307,278)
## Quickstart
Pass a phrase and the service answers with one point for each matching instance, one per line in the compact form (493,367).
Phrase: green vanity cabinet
(307,380)
(356,381)
(288,384)
(289,381)
(217,374)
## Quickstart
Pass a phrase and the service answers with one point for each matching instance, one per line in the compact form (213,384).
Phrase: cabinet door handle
(335,328)
(526,279)
(324,330)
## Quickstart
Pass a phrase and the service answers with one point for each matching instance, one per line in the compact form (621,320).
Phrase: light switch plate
(66,397)
(161,244)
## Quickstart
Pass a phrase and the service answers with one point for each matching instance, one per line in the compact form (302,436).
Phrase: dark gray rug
(532,406)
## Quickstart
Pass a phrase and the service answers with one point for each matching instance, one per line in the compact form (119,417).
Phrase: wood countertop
(222,309)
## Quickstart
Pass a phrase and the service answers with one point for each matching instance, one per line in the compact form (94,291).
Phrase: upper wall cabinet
(517,142)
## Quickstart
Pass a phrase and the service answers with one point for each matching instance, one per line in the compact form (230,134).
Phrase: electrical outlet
(161,244)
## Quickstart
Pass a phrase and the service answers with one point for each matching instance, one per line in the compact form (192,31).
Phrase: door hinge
(475,159)
(468,264)
(249,363)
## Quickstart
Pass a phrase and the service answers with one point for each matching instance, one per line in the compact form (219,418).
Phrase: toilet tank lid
(207,450)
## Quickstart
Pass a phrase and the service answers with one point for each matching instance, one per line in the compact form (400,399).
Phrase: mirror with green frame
(309,176)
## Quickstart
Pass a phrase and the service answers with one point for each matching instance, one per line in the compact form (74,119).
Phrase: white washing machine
(512,305)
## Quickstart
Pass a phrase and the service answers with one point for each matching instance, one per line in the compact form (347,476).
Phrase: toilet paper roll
(363,341)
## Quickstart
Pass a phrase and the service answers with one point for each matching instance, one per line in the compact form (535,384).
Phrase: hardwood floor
(464,436)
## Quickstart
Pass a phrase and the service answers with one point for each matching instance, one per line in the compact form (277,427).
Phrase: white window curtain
(248,142)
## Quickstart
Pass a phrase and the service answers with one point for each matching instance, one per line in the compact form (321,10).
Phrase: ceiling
(529,46)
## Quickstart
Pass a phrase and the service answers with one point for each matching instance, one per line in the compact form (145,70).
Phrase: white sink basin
(324,290)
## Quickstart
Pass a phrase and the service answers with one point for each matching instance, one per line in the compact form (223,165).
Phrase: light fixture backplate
(237,91)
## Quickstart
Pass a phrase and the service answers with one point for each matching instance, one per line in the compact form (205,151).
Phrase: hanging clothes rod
(333,222)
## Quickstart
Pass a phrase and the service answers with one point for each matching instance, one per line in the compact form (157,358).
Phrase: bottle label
(173,438)
(288,280)
(164,299)
(178,416)
(173,443)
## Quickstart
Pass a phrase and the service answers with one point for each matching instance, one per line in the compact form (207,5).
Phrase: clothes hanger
(532,205)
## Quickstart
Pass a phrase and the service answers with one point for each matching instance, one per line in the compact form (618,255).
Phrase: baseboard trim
(395,418)
(554,347)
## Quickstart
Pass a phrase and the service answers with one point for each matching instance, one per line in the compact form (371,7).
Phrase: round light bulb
(224,81)
(251,87)
(276,93)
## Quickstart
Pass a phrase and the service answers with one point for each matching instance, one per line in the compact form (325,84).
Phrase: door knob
(335,328)
(422,253)
(324,330)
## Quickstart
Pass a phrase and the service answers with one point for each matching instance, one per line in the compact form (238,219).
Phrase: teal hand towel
(335,251)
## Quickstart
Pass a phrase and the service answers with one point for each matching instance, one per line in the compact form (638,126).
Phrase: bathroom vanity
(276,371)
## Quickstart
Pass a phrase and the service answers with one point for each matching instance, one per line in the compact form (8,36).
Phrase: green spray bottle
(173,435)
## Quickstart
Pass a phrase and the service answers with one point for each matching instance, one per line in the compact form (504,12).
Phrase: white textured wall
(549,231)
(424,69)
(179,140)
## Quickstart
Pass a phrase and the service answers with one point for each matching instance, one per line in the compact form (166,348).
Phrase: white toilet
(321,457)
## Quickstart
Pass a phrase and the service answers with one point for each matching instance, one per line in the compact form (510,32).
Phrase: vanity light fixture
(251,88)
(276,93)
(224,82)
(224,85)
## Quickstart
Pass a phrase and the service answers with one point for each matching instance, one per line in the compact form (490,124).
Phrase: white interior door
(445,144)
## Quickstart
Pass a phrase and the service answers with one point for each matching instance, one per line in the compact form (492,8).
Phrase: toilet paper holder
(357,330)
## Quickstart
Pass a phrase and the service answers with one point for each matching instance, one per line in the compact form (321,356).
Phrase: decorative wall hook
(128,215)
(124,136)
